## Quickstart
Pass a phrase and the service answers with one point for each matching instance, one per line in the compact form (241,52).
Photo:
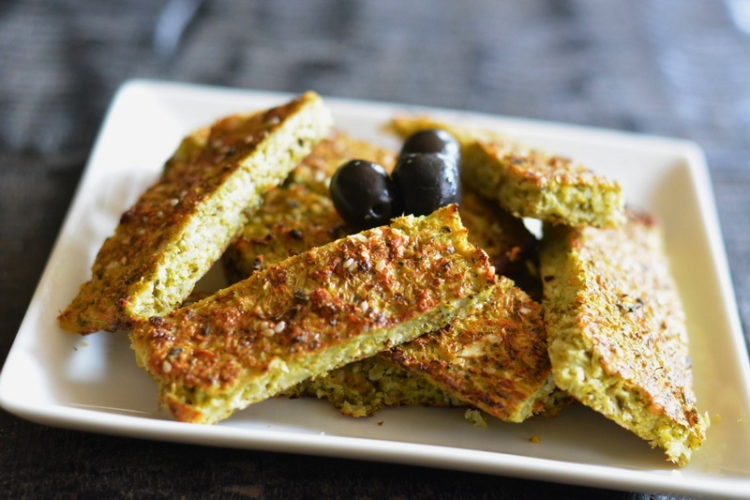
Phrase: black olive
(363,194)
(427,182)
(431,141)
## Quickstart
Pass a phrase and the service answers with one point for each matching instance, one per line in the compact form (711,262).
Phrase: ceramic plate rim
(398,451)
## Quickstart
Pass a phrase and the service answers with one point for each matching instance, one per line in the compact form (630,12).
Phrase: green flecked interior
(558,203)
(578,369)
(526,410)
(282,374)
(379,383)
(202,240)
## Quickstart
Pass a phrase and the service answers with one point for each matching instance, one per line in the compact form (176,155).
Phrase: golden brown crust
(296,217)
(318,167)
(529,182)
(618,340)
(299,215)
(130,264)
(290,220)
(494,358)
(295,313)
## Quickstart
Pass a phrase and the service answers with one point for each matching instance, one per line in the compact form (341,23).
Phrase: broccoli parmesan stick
(312,313)
(181,225)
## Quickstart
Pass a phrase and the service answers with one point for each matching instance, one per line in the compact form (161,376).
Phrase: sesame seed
(166,367)
(268,332)
(524,310)
(280,327)
(173,201)
(350,264)
(364,306)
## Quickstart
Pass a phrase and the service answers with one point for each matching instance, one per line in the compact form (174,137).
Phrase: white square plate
(92,383)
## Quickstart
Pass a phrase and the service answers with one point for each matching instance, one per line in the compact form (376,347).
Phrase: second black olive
(427,182)
(431,141)
(363,194)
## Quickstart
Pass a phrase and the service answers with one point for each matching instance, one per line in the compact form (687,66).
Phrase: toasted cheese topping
(494,358)
(181,225)
(312,313)
(618,341)
(295,218)
(290,220)
(300,215)
(529,182)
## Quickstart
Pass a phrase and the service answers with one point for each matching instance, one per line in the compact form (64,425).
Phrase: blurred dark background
(671,67)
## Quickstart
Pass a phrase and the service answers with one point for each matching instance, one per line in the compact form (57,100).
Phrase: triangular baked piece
(494,358)
(528,182)
(312,313)
(295,218)
(181,225)
(617,336)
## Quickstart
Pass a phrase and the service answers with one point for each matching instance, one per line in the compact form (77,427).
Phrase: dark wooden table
(670,67)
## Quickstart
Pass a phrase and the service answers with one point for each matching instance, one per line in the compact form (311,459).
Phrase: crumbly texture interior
(476,418)
(298,216)
(295,218)
(529,182)
(180,226)
(494,358)
(313,313)
(360,389)
(618,341)
(290,220)
(554,403)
